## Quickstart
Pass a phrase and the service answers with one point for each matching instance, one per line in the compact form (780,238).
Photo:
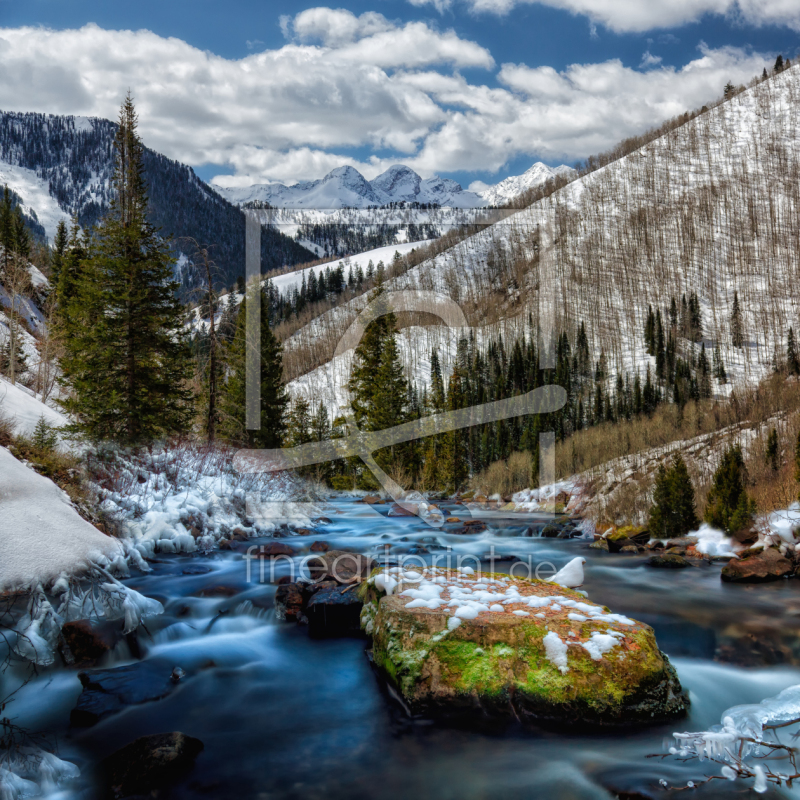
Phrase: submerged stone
(454,642)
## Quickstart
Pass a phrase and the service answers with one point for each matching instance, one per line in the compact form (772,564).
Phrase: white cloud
(644,15)
(649,60)
(345,82)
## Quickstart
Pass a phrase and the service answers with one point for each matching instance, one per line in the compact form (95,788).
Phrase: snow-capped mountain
(515,185)
(346,187)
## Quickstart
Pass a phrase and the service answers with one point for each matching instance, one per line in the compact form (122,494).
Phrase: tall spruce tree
(127,366)
(233,399)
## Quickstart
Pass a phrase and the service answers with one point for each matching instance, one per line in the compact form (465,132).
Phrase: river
(286,716)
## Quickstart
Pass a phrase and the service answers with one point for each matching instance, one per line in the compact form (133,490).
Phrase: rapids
(286,716)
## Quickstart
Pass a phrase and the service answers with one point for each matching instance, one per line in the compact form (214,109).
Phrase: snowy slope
(21,406)
(35,194)
(294,280)
(41,534)
(712,207)
(347,187)
(514,186)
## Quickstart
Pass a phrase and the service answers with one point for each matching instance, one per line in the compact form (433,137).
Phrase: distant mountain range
(347,187)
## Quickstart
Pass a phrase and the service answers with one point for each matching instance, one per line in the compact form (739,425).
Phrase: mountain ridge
(346,187)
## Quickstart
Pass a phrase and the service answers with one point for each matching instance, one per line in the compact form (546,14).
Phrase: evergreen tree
(6,229)
(673,512)
(233,400)
(737,332)
(704,383)
(127,370)
(772,453)
(299,423)
(792,359)
(45,437)
(60,243)
(719,366)
(778,65)
(729,507)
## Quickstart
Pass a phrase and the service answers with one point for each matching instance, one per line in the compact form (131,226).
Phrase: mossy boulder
(542,654)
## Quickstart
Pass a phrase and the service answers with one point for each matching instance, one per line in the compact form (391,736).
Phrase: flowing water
(286,716)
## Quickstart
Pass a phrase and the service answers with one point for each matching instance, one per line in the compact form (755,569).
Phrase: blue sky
(489,86)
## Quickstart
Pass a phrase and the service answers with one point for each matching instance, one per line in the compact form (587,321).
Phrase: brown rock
(669,561)
(320,547)
(341,566)
(303,532)
(272,550)
(629,548)
(239,535)
(219,591)
(767,565)
(452,519)
(289,602)
(746,536)
(88,642)
(371,499)
(398,511)
(474,523)
(149,764)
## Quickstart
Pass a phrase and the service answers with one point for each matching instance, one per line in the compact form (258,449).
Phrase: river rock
(746,536)
(758,567)
(320,547)
(289,602)
(575,663)
(334,610)
(340,566)
(107,691)
(669,561)
(88,642)
(600,544)
(149,764)
(272,550)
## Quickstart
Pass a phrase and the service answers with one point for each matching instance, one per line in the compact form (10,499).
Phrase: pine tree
(673,512)
(127,370)
(792,359)
(60,243)
(233,399)
(778,65)
(44,436)
(737,332)
(719,366)
(299,423)
(6,229)
(772,453)
(728,506)
(704,383)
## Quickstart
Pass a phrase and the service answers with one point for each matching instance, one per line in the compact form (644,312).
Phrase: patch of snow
(42,534)
(556,651)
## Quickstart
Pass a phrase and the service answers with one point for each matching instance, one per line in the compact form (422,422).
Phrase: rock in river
(453,643)
(758,567)
(107,691)
(149,764)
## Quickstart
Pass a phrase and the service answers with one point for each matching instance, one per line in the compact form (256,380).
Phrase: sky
(249,91)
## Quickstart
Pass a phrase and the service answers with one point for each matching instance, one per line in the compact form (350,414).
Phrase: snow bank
(41,534)
(21,406)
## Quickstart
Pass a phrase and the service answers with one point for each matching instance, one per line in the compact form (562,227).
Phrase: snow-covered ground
(35,195)
(24,409)
(41,534)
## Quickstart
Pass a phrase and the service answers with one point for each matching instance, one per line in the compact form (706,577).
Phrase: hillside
(62,166)
(710,207)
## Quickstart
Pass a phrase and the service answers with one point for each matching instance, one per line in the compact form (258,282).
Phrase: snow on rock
(571,575)
(22,407)
(714,542)
(41,534)
(556,651)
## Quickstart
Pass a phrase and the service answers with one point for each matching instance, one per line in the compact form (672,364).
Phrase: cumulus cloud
(644,15)
(343,83)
